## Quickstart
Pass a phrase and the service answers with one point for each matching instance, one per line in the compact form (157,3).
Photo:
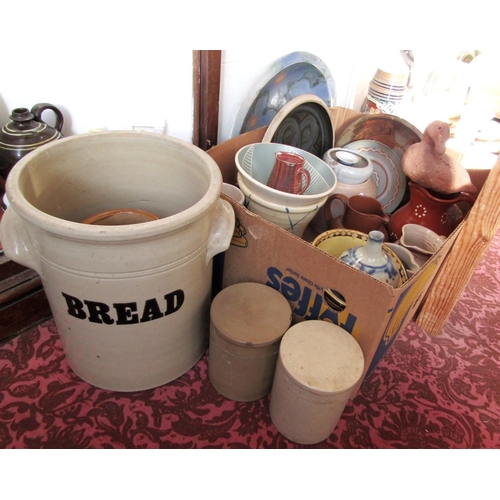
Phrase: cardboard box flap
(224,153)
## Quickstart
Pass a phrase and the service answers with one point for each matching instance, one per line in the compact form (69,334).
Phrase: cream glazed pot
(131,302)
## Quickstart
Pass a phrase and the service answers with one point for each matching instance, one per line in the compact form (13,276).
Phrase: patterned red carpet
(427,392)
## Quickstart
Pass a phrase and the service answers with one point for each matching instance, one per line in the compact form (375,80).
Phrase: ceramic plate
(390,130)
(295,74)
(304,123)
(387,172)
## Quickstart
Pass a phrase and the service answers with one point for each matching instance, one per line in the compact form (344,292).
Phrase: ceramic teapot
(26,132)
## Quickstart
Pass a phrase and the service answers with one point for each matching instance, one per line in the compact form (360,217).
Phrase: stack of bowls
(292,212)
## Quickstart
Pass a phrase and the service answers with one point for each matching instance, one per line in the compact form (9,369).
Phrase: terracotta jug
(361,213)
(26,132)
(289,174)
(431,210)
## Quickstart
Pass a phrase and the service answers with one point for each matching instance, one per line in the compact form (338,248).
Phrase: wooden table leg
(480,226)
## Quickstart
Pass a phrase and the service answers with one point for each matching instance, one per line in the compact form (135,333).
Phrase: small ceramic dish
(120,217)
(256,161)
(420,239)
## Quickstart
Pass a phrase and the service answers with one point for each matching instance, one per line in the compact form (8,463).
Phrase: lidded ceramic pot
(26,132)
(372,259)
(353,171)
(318,366)
(247,322)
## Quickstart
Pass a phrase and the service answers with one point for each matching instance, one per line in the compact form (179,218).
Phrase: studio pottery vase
(26,132)
(431,210)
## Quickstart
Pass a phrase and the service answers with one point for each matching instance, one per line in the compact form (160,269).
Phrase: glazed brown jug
(26,132)
(361,213)
(431,210)
(288,174)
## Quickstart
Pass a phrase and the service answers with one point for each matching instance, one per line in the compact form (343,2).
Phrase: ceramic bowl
(233,192)
(293,219)
(256,161)
(420,239)
(303,113)
(336,241)
(406,257)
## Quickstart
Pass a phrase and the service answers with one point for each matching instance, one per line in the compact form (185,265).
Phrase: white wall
(117,64)
(104,64)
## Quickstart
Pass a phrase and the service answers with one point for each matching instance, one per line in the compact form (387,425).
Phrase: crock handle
(15,240)
(222,232)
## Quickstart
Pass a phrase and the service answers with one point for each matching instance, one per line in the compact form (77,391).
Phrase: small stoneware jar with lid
(354,172)
(247,322)
(319,364)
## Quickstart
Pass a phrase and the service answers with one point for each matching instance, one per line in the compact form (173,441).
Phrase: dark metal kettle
(26,132)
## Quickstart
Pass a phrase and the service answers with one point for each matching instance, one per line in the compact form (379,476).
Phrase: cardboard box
(262,252)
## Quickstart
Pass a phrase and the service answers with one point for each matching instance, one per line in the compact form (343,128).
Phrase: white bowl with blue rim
(256,161)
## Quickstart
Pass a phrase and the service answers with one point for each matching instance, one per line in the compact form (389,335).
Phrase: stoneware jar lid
(322,356)
(251,314)
(350,167)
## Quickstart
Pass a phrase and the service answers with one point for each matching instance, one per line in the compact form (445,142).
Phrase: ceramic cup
(361,213)
(289,174)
